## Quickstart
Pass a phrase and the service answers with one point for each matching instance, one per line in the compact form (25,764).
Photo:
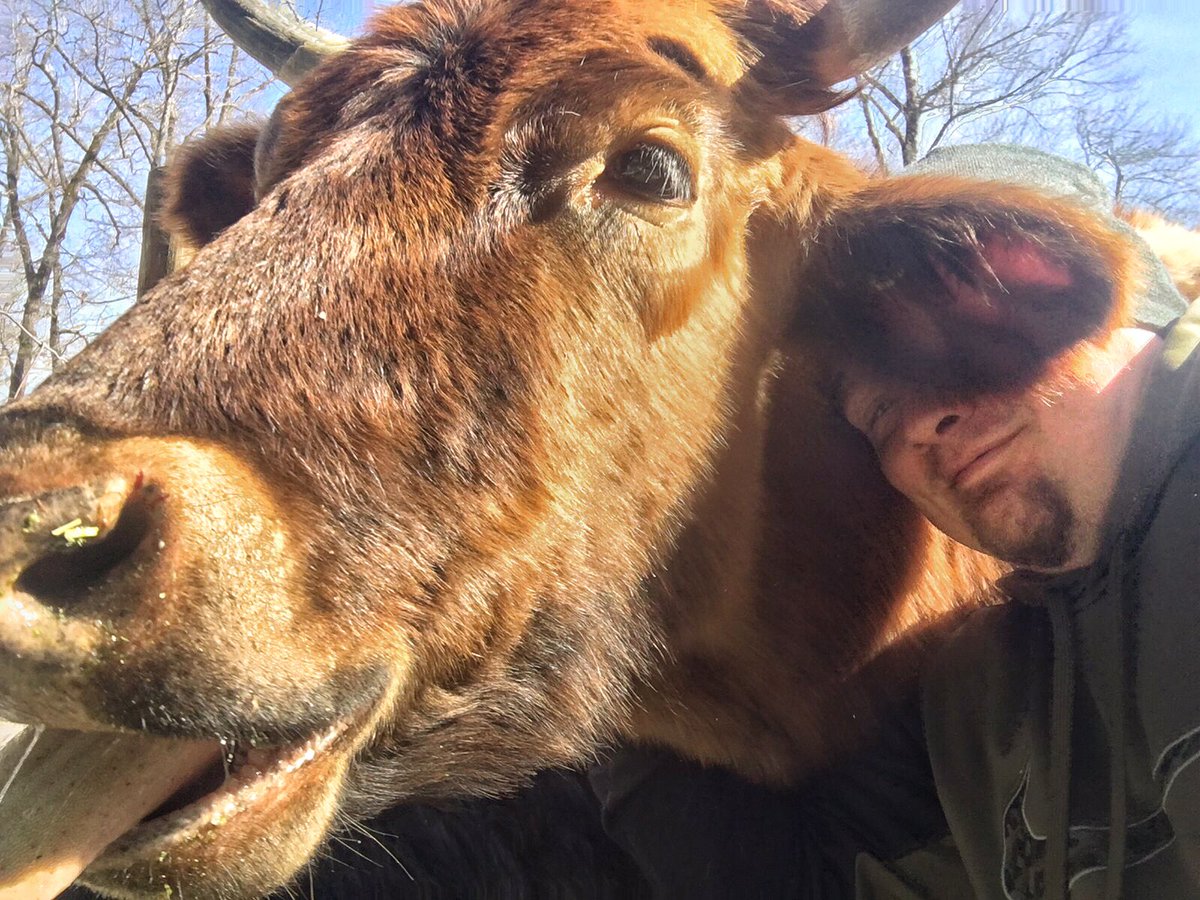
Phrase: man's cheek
(901,473)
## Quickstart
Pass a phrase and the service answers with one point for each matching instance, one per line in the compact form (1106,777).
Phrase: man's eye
(878,411)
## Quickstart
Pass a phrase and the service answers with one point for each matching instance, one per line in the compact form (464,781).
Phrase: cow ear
(210,184)
(803,48)
(963,285)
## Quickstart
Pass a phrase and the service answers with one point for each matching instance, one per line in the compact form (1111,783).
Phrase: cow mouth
(234,783)
(122,805)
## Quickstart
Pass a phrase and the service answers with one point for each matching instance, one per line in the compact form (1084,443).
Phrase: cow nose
(60,551)
(121,559)
(58,547)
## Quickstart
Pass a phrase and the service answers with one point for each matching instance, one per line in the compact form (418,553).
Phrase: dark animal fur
(211,185)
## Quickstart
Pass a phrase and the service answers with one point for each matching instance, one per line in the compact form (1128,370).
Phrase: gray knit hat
(1158,304)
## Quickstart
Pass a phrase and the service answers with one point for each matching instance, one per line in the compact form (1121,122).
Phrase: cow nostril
(63,578)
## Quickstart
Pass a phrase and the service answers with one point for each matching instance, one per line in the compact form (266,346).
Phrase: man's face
(1025,477)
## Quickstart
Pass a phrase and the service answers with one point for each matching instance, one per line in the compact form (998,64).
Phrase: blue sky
(1170,75)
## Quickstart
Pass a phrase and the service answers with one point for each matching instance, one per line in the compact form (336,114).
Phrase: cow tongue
(74,794)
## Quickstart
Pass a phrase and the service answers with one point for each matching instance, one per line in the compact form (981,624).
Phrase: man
(1062,727)
(1086,480)
(1036,479)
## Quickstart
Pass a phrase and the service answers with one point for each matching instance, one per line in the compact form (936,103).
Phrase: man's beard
(1039,536)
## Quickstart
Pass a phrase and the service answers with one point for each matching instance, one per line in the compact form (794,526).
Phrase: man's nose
(935,424)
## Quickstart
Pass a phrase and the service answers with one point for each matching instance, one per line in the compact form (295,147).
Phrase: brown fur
(461,442)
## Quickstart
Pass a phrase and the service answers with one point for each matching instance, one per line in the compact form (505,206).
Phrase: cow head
(362,505)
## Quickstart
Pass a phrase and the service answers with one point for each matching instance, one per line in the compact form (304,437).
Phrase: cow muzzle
(154,632)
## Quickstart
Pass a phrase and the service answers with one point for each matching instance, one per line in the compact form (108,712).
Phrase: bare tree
(1150,163)
(92,98)
(985,73)
(1062,81)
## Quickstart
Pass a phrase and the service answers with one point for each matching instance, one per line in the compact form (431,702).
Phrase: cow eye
(652,172)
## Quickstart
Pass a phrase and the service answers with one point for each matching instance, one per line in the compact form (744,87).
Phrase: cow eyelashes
(652,172)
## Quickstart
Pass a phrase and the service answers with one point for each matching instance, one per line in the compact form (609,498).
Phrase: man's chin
(1032,528)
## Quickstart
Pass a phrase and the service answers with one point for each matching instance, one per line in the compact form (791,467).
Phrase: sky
(1170,75)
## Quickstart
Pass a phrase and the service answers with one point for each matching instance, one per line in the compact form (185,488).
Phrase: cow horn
(284,43)
(857,34)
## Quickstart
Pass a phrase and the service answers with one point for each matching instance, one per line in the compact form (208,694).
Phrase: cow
(481,431)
